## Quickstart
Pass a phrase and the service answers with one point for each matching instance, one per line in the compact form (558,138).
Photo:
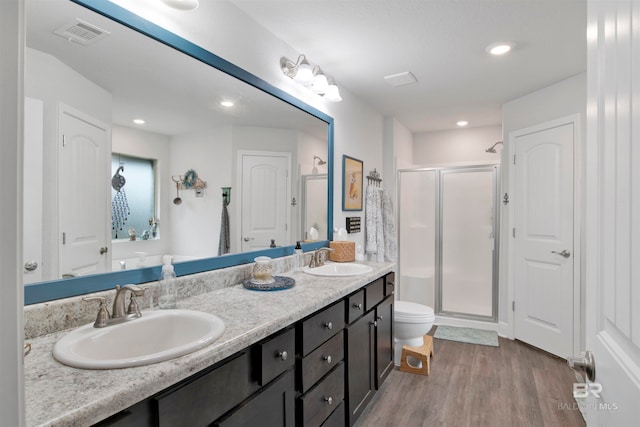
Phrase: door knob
(104,250)
(30,265)
(565,253)
(584,364)
(248,239)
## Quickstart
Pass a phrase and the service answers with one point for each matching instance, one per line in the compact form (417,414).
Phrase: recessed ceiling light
(138,121)
(501,48)
(226,104)
(462,123)
(182,4)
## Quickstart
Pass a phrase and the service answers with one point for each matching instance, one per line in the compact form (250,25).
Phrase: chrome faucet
(316,258)
(119,314)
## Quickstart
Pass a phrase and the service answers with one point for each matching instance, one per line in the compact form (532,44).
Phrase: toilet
(411,322)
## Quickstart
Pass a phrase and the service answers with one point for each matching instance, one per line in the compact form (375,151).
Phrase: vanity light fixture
(462,123)
(310,77)
(498,49)
(182,4)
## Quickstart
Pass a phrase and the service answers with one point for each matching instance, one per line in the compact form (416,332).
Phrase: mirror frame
(64,288)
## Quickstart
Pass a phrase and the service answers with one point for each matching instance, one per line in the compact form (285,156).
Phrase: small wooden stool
(421,353)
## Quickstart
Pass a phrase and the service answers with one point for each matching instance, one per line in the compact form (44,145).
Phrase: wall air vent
(82,32)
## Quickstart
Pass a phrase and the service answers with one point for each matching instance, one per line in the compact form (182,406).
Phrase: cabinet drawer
(355,306)
(336,419)
(201,401)
(321,326)
(319,402)
(273,406)
(320,361)
(276,355)
(389,283)
(374,293)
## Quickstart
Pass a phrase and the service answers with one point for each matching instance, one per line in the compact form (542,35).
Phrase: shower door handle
(248,239)
(565,253)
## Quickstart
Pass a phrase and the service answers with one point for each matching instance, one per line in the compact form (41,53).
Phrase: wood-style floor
(474,385)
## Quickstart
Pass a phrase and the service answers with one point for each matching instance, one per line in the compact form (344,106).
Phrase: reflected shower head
(492,149)
(320,161)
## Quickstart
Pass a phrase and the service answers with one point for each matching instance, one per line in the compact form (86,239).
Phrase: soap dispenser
(168,289)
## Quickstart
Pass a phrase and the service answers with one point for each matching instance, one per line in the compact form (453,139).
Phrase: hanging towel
(389,227)
(224,246)
(374,239)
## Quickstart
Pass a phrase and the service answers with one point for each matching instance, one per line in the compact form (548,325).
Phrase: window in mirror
(133,198)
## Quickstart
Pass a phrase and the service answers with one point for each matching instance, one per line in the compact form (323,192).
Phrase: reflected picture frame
(352,178)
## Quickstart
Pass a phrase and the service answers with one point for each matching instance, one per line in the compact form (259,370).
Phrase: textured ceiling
(442,42)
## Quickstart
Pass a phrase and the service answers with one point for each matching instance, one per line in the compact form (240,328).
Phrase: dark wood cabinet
(320,372)
(384,340)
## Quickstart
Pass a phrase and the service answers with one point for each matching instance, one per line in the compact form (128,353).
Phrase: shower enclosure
(447,239)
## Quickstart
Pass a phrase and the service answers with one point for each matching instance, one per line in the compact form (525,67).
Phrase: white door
(544,240)
(83,194)
(613,212)
(32,203)
(265,199)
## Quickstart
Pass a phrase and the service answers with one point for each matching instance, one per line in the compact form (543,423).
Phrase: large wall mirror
(91,69)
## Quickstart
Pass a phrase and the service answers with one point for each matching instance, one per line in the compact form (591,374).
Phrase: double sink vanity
(312,355)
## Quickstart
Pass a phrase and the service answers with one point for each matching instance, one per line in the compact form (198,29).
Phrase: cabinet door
(384,340)
(274,406)
(360,365)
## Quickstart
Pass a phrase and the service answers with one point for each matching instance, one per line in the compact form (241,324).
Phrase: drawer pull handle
(328,325)
(327,359)
(357,306)
(329,400)
(283,355)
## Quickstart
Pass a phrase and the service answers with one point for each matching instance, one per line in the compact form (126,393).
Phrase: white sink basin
(154,337)
(339,269)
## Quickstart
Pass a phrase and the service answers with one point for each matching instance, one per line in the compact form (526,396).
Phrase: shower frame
(438,199)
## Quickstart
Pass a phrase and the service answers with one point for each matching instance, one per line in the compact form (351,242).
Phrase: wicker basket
(342,251)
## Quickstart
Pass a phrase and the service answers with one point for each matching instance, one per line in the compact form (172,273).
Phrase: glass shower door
(417,236)
(467,241)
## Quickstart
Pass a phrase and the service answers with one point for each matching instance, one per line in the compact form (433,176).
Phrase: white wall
(459,146)
(11,301)
(195,223)
(561,99)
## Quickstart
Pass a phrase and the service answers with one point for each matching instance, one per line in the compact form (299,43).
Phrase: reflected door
(265,196)
(83,212)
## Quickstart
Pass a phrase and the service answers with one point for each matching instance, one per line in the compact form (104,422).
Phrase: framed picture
(351,184)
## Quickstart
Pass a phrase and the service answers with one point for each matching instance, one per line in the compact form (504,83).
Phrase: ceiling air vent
(82,32)
(401,79)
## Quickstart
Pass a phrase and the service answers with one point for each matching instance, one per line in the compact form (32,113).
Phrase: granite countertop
(58,395)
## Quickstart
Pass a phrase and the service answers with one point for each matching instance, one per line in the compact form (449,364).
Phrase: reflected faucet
(316,257)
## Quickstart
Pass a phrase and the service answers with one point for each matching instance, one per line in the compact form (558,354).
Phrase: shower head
(492,149)
(320,161)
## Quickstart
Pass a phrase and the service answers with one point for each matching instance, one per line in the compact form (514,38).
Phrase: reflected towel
(224,246)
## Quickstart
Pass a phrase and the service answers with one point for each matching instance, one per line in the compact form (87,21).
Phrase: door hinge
(64,238)
(63,141)
(513,306)
(514,159)
(513,232)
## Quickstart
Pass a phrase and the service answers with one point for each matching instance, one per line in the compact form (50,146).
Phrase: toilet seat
(411,312)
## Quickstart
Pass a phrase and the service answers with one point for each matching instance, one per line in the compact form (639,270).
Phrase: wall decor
(351,184)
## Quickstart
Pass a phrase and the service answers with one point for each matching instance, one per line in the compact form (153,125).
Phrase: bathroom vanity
(313,355)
